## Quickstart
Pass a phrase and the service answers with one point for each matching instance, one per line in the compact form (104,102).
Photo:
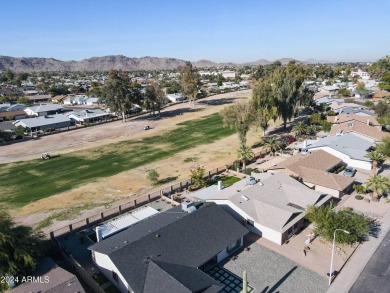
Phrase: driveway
(270,272)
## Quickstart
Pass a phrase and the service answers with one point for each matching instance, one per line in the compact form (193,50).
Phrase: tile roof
(279,199)
(360,128)
(12,113)
(353,117)
(313,169)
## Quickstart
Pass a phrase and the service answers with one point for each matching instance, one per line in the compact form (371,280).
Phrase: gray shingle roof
(60,280)
(185,239)
(45,108)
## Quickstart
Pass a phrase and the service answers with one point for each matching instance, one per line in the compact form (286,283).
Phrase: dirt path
(115,131)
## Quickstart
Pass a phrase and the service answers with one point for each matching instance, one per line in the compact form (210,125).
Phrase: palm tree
(300,129)
(379,185)
(245,153)
(376,158)
(272,145)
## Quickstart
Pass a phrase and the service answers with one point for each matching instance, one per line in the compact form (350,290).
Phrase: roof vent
(245,197)
(250,181)
(261,183)
(158,235)
(188,206)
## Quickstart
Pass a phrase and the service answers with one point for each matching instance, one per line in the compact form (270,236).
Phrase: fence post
(51,235)
(102,215)
(120,209)
(217,170)
(181,186)
(171,189)
(135,203)
(209,174)
(87,221)
(70,228)
(148,197)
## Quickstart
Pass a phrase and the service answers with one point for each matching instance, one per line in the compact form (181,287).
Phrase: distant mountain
(316,61)
(105,63)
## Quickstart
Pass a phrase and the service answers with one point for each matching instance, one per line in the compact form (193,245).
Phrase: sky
(217,30)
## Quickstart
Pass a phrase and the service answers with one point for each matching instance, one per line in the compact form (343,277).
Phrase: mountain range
(105,63)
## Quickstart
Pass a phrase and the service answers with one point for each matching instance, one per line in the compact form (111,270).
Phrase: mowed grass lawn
(25,182)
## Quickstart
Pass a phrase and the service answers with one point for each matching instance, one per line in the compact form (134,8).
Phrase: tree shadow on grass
(166,180)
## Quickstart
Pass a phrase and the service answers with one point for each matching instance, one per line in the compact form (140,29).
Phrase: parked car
(291,139)
(349,172)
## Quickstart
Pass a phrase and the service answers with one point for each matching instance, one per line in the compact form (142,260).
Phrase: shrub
(315,118)
(359,197)
(153,176)
(330,113)
(359,188)
(327,220)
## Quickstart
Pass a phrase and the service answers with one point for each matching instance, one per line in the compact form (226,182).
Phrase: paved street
(376,275)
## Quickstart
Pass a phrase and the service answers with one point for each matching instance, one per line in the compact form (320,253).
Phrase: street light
(331,262)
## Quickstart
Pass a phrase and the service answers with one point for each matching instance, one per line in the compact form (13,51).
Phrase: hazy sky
(236,31)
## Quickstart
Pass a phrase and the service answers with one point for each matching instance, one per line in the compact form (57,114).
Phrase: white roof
(44,108)
(86,114)
(126,221)
(42,121)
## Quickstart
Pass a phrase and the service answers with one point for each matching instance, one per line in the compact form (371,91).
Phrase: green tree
(327,220)
(315,118)
(245,153)
(272,145)
(344,92)
(326,125)
(9,75)
(118,93)
(361,90)
(379,185)
(239,117)
(382,109)
(376,158)
(153,176)
(154,96)
(378,69)
(197,176)
(300,129)
(384,147)
(19,131)
(262,104)
(369,104)
(20,247)
(287,92)
(189,80)
(25,101)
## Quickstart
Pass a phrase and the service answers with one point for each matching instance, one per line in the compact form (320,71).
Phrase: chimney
(368,121)
(220,185)
(335,119)
(305,144)
(99,234)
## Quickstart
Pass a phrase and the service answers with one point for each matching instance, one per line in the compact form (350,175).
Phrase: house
(89,116)
(80,100)
(16,107)
(270,205)
(43,109)
(49,278)
(177,97)
(44,122)
(379,95)
(4,107)
(315,171)
(331,88)
(349,147)
(39,98)
(12,115)
(360,73)
(166,252)
(366,126)
(7,126)
(59,99)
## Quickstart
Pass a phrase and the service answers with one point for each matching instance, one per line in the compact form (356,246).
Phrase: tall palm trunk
(244,165)
(374,167)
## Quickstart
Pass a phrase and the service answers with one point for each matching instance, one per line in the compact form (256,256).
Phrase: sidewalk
(349,274)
